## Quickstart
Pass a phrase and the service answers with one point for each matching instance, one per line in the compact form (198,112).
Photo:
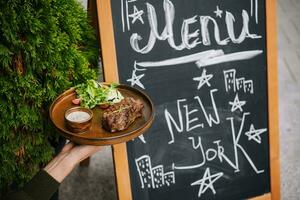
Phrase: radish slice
(76,101)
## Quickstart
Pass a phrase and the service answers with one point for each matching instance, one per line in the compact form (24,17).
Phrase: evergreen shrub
(46,46)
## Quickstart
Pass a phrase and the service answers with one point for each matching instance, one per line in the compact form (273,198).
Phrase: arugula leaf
(92,94)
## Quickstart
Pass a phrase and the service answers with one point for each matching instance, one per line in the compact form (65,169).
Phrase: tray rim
(110,141)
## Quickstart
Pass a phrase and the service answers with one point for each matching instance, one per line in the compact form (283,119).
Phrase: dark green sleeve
(41,187)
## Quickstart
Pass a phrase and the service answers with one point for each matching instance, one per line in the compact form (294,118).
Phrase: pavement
(97,182)
(289,96)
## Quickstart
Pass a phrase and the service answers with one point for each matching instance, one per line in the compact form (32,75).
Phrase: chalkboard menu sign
(205,65)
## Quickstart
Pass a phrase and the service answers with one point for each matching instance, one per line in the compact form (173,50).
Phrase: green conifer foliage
(46,46)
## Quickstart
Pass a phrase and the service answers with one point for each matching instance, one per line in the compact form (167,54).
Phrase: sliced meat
(121,115)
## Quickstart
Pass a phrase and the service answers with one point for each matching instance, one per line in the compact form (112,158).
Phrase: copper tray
(96,135)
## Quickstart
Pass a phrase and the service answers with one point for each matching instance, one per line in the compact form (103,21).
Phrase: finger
(68,147)
(89,150)
(84,151)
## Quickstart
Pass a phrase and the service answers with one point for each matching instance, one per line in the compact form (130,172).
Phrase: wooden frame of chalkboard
(110,70)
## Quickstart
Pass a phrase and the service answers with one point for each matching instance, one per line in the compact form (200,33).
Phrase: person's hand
(68,158)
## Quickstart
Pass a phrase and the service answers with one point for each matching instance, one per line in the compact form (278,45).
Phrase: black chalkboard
(203,62)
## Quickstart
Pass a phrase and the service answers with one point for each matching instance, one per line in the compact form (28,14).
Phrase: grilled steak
(121,115)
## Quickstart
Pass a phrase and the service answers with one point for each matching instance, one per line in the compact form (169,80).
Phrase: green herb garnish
(92,94)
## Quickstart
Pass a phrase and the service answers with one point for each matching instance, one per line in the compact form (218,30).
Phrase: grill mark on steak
(121,115)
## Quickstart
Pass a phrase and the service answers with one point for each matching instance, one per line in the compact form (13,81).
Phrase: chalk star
(237,104)
(218,12)
(137,15)
(203,79)
(142,138)
(254,134)
(135,80)
(210,178)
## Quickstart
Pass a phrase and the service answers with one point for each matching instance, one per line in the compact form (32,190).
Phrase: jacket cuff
(42,186)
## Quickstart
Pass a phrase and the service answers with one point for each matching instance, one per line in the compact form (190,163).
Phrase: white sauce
(78,116)
(114,96)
